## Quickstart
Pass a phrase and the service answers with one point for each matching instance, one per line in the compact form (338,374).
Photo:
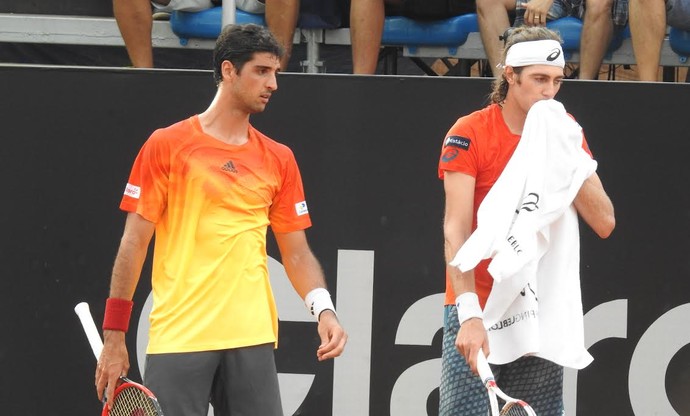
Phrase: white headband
(537,52)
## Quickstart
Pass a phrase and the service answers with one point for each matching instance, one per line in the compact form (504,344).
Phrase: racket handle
(84,314)
(483,368)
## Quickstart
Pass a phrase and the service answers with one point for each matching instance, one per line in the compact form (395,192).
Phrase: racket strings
(132,401)
(516,409)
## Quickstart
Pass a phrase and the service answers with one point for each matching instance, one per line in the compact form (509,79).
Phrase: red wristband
(117,313)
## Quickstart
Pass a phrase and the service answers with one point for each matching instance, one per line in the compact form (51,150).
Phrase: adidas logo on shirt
(229,167)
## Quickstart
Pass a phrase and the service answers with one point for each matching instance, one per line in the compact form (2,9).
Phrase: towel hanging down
(529,227)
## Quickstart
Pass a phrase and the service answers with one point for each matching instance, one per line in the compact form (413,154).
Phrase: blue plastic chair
(453,31)
(570,29)
(680,43)
(206,24)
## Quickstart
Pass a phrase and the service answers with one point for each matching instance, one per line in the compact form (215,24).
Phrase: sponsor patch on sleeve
(449,154)
(132,191)
(457,141)
(301,208)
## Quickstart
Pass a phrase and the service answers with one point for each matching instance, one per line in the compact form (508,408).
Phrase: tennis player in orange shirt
(475,152)
(209,187)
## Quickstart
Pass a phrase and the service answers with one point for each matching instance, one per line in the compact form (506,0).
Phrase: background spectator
(367,20)
(599,19)
(135,20)
(648,21)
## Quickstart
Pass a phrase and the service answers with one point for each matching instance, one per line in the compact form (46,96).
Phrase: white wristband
(317,301)
(468,307)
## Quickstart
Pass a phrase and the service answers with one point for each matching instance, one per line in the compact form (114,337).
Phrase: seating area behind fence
(455,41)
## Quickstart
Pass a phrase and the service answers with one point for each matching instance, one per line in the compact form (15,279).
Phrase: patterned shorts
(574,8)
(537,381)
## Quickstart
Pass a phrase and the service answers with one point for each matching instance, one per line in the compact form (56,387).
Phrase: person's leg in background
(597,32)
(493,22)
(134,19)
(366,29)
(647,31)
(281,19)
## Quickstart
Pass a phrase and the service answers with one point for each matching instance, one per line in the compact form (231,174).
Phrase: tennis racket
(512,407)
(130,399)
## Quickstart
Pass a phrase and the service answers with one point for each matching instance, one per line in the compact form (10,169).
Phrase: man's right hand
(471,337)
(536,12)
(112,364)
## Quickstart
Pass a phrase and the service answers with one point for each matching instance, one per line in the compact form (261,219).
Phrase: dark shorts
(431,9)
(237,382)
(537,381)
(678,13)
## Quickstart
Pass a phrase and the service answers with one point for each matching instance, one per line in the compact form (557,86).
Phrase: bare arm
(305,274)
(457,226)
(114,360)
(595,207)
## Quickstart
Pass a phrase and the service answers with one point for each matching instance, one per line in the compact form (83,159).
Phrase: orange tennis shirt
(480,145)
(212,204)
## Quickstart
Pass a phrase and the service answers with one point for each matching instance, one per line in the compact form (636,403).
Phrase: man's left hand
(333,336)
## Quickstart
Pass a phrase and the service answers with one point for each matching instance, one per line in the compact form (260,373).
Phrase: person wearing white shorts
(249,6)
(182,5)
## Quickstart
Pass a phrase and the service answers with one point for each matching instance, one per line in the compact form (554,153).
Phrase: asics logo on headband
(536,52)
(553,55)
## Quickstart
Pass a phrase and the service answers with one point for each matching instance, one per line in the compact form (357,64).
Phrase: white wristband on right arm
(468,307)
(317,301)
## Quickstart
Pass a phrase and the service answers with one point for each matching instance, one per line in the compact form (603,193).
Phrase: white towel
(529,228)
